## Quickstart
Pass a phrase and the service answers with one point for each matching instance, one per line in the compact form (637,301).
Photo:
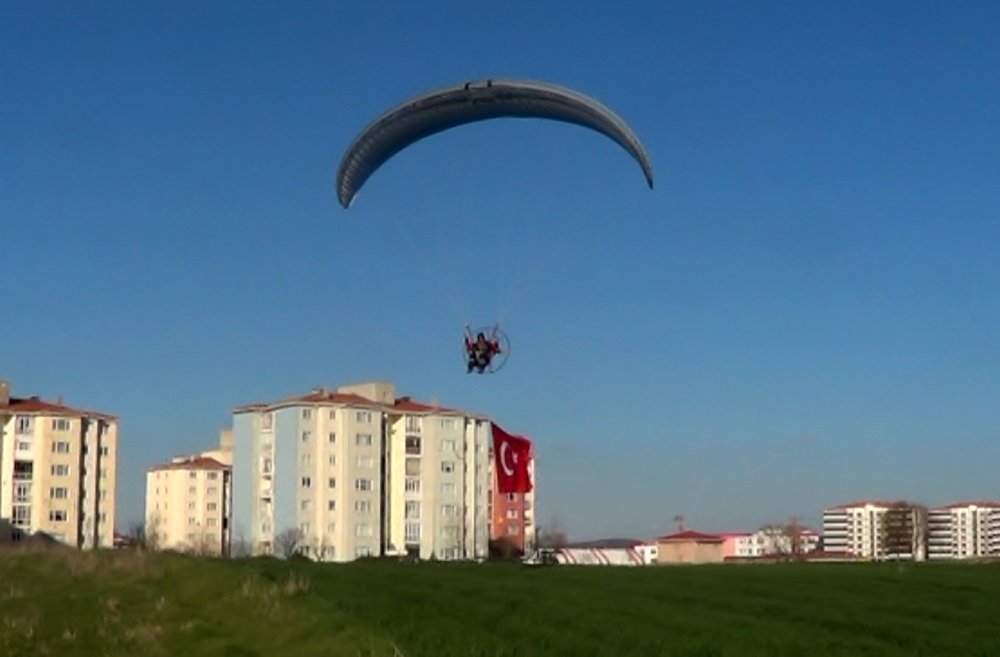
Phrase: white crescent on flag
(509,471)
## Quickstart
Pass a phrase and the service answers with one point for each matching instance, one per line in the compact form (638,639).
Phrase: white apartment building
(964,530)
(58,470)
(188,502)
(862,529)
(355,472)
(768,541)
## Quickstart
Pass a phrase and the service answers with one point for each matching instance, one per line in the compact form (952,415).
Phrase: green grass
(125,603)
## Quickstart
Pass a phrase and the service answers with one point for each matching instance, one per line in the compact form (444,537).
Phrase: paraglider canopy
(448,107)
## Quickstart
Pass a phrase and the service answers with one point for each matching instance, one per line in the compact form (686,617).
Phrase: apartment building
(188,501)
(58,469)
(512,515)
(964,530)
(354,472)
(876,529)
(769,541)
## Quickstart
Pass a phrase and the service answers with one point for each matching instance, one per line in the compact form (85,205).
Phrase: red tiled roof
(319,397)
(401,404)
(861,503)
(36,405)
(689,535)
(988,504)
(407,405)
(196,463)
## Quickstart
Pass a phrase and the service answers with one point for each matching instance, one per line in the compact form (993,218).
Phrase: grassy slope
(150,605)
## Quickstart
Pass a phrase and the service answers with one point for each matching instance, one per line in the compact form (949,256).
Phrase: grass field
(133,603)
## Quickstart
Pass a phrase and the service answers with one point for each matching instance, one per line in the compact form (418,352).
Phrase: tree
(552,536)
(504,549)
(146,535)
(903,531)
(287,541)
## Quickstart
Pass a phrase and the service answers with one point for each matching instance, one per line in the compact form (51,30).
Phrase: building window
(213,475)
(331,505)
(307,413)
(413,423)
(306,435)
(413,444)
(448,445)
(192,475)
(212,491)
(365,462)
(412,485)
(60,447)
(211,522)
(448,488)
(331,482)
(363,506)
(332,459)
(304,505)
(58,493)
(412,532)
(449,510)
(331,437)
(306,482)
(306,459)
(212,506)
(333,414)
(363,530)
(364,417)
(60,470)
(60,424)
(57,516)
(362,551)
(447,466)
(412,510)
(362,484)
(23,424)
(363,439)
(512,514)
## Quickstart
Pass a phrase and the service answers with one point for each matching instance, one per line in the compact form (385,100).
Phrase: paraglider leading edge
(448,107)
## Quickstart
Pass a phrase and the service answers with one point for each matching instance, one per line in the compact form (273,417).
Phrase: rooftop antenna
(679,522)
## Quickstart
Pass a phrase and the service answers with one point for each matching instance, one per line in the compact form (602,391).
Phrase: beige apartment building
(188,500)
(58,470)
(342,474)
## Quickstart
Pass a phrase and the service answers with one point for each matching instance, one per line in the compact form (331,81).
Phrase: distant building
(340,474)
(689,547)
(512,515)
(876,529)
(58,470)
(964,530)
(769,541)
(188,502)
(612,552)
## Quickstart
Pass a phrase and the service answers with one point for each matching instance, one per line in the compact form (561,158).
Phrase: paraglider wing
(457,105)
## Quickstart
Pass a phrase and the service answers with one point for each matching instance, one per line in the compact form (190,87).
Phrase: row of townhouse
(336,475)
(58,471)
(897,529)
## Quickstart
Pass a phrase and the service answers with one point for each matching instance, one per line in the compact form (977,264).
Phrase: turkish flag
(512,455)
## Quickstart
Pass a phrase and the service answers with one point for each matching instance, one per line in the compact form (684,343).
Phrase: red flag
(512,455)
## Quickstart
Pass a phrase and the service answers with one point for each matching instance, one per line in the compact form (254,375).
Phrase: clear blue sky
(802,312)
